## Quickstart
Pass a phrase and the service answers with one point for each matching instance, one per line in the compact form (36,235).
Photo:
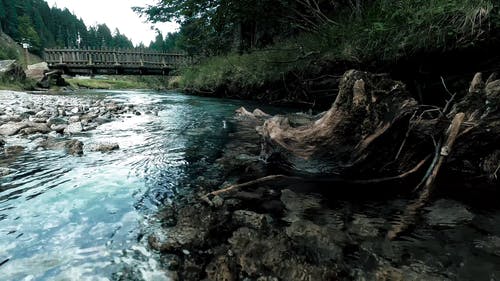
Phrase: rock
(319,243)
(364,226)
(448,213)
(2,143)
(4,171)
(12,128)
(74,119)
(256,254)
(58,128)
(74,128)
(74,147)
(105,147)
(194,224)
(13,150)
(490,245)
(38,119)
(37,71)
(33,128)
(220,269)
(11,70)
(56,121)
(249,219)
(75,110)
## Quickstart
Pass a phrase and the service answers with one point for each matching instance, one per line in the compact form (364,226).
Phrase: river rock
(56,121)
(74,128)
(448,213)
(74,147)
(75,110)
(11,128)
(33,128)
(38,119)
(4,171)
(13,150)
(249,219)
(258,254)
(59,128)
(490,245)
(74,119)
(2,143)
(105,147)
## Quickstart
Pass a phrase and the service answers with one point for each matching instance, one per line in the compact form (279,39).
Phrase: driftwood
(375,130)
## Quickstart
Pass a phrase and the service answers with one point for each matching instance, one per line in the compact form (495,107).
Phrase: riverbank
(117,82)
(449,40)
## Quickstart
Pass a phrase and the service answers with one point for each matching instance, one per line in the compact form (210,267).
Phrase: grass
(383,32)
(25,85)
(120,82)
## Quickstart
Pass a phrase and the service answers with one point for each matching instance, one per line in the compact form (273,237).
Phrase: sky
(116,14)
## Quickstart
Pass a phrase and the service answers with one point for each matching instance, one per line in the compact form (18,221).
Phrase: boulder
(12,128)
(11,70)
(37,71)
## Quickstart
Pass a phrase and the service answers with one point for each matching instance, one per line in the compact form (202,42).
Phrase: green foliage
(381,31)
(33,21)
(28,33)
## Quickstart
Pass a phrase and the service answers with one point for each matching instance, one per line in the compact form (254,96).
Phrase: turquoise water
(87,218)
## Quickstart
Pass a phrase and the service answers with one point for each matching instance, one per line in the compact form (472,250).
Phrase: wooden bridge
(130,62)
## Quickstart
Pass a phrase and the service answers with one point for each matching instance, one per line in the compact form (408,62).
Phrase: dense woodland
(34,22)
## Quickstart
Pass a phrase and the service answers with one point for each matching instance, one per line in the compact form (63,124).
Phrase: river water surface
(86,218)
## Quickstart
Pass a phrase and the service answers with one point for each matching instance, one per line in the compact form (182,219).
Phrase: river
(64,217)
(86,218)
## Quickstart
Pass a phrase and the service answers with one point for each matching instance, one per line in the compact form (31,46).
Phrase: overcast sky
(115,14)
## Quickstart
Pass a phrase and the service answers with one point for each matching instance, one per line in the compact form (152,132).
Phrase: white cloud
(115,14)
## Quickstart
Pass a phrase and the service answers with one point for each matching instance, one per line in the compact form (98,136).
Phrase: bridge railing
(114,58)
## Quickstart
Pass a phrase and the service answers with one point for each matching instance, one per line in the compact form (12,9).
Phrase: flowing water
(86,218)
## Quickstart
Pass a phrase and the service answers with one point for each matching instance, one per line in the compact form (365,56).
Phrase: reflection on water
(85,218)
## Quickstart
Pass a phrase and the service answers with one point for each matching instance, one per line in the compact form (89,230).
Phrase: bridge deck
(78,61)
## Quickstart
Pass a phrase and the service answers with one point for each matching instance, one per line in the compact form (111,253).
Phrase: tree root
(412,209)
(337,180)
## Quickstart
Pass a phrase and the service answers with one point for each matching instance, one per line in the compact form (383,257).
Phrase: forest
(254,46)
(34,22)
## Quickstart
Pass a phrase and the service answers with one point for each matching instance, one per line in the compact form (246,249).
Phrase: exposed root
(412,209)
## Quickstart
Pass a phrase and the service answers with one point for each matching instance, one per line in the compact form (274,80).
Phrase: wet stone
(250,219)
(490,245)
(74,128)
(105,147)
(448,213)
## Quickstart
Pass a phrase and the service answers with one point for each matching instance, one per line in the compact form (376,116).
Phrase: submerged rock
(448,213)
(105,147)
(74,147)
(490,245)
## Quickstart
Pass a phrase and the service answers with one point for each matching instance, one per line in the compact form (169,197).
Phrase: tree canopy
(34,22)
(218,26)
